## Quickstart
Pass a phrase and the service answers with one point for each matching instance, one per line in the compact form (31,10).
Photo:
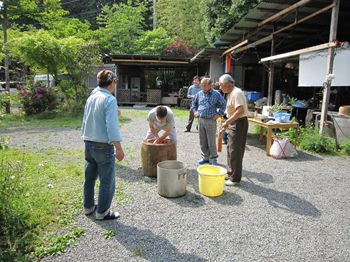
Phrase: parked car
(47,80)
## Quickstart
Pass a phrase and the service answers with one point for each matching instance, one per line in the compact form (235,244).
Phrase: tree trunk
(152,154)
(7,60)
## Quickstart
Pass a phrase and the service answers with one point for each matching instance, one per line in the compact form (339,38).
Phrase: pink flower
(39,96)
(40,89)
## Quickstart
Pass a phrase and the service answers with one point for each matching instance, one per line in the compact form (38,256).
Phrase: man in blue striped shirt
(100,132)
(208,105)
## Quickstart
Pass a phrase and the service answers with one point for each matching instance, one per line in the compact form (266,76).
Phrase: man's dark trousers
(237,137)
(190,121)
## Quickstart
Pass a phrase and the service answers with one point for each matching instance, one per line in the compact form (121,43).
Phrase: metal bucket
(171,178)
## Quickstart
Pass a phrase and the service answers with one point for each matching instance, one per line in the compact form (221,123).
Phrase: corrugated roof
(206,54)
(133,59)
(257,14)
(312,31)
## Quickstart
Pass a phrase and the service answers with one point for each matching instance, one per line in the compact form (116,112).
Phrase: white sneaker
(107,216)
(230,183)
(89,211)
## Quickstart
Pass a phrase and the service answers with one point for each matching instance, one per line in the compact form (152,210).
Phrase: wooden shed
(266,44)
(151,80)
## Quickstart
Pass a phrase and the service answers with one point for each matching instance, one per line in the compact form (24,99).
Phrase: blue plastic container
(253,96)
(282,117)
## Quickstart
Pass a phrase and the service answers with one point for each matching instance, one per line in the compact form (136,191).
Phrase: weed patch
(312,141)
(39,196)
(346,148)
(108,234)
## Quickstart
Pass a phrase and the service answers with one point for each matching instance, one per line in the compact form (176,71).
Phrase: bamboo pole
(298,52)
(284,11)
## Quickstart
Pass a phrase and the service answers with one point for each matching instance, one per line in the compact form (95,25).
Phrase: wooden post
(330,61)
(271,75)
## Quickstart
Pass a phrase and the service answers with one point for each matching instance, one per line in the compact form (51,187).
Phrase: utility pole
(330,61)
(7,60)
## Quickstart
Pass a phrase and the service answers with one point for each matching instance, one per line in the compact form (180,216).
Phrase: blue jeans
(99,162)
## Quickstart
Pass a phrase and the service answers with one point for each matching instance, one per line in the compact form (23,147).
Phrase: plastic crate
(282,117)
(253,96)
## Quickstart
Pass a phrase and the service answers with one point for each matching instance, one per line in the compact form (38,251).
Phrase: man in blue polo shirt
(208,105)
(100,132)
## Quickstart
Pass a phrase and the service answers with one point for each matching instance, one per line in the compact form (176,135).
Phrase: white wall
(313,66)
(215,70)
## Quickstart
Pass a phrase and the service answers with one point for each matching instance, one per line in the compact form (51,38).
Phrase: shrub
(4,100)
(37,98)
(73,91)
(312,141)
(4,143)
(292,135)
(346,148)
(179,48)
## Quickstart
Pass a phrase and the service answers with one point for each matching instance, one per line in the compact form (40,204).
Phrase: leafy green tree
(14,10)
(220,16)
(183,19)
(43,52)
(66,27)
(120,25)
(85,11)
(54,18)
(50,12)
(39,50)
(153,42)
(78,65)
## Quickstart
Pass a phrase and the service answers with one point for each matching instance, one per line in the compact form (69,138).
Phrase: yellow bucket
(211,180)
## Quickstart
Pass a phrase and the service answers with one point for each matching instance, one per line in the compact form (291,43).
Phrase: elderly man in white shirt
(236,127)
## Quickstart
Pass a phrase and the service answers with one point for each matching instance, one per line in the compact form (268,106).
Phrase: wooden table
(269,127)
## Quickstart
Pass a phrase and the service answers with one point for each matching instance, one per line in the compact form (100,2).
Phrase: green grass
(134,113)
(108,234)
(69,120)
(120,193)
(58,244)
(181,113)
(43,190)
(44,120)
(130,113)
(49,120)
(137,252)
(345,148)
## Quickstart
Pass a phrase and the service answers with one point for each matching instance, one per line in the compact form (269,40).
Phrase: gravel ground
(284,210)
